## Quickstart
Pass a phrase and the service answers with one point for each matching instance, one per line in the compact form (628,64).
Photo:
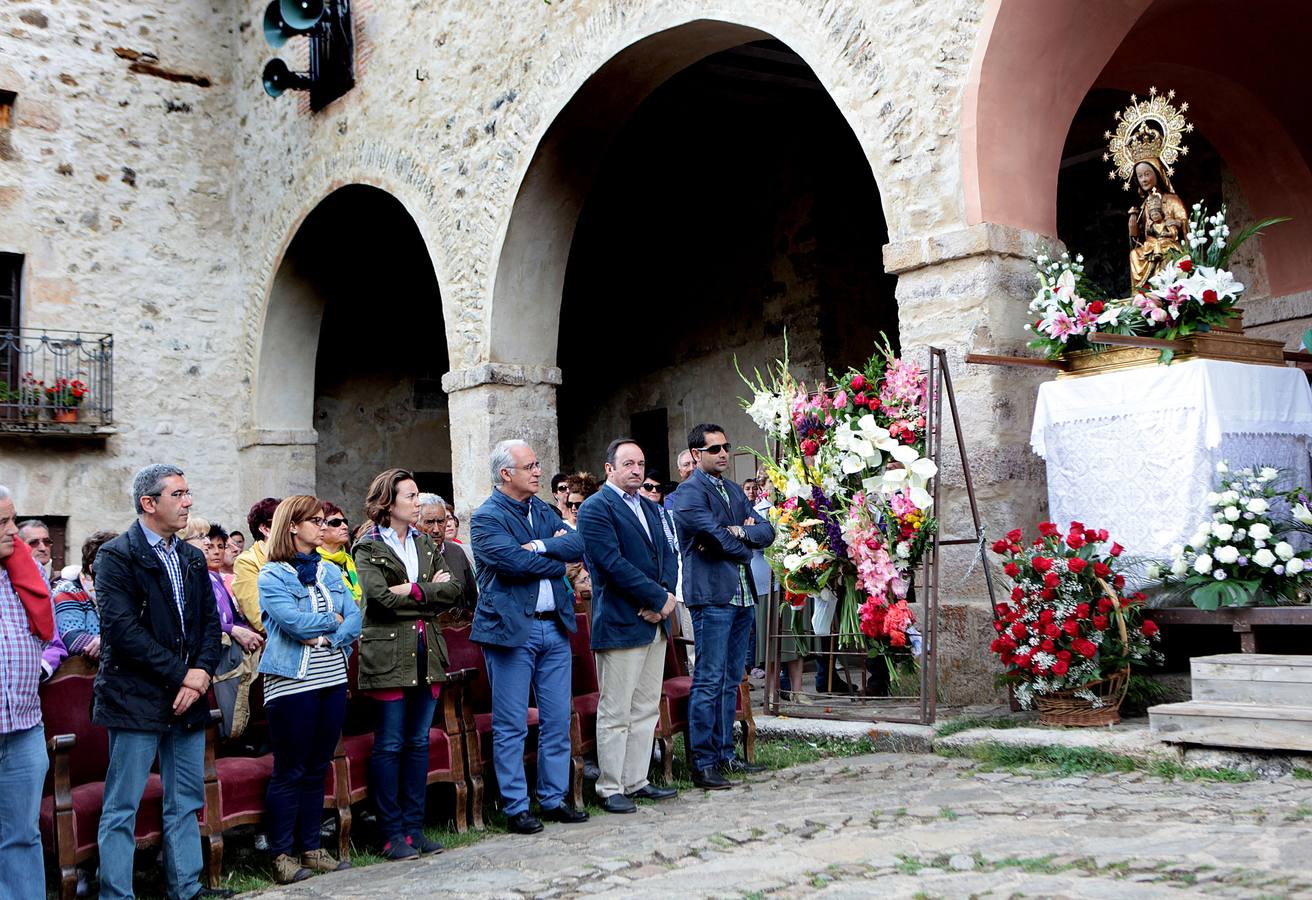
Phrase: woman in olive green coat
(405,584)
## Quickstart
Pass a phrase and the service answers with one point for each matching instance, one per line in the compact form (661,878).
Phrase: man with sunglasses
(718,531)
(36,535)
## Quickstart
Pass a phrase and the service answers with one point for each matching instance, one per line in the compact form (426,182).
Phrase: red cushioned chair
(475,706)
(75,788)
(587,693)
(674,705)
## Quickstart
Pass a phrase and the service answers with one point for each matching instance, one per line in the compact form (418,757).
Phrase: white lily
(1302,514)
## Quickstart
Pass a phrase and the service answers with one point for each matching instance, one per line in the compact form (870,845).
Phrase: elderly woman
(311,622)
(406,585)
(76,614)
(582,485)
(335,547)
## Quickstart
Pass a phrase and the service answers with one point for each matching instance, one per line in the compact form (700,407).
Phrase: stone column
(275,462)
(495,402)
(967,291)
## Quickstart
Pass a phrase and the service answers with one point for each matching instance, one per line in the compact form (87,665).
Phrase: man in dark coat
(524,615)
(159,630)
(634,574)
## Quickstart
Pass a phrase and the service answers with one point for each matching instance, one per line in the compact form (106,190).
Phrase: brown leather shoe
(322,861)
(286,870)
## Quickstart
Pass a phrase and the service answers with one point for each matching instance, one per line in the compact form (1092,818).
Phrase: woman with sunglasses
(581,486)
(311,622)
(334,549)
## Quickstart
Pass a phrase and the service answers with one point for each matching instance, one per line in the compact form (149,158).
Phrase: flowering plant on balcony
(1069,622)
(855,512)
(1241,555)
(66,393)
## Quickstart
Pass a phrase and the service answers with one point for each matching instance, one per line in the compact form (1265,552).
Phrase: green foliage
(965,723)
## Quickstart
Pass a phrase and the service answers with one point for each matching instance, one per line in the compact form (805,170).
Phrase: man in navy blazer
(717,533)
(523,614)
(634,573)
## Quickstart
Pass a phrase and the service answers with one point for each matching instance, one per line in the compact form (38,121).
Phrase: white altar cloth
(1135,451)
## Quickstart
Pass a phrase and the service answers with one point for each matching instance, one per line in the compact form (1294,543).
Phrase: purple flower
(832,528)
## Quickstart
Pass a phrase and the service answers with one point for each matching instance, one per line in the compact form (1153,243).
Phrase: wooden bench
(1243,621)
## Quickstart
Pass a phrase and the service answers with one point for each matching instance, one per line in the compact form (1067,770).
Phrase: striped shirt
(322,667)
(20,663)
(167,551)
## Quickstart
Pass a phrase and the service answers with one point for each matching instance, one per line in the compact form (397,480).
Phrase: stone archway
(1035,63)
(351,326)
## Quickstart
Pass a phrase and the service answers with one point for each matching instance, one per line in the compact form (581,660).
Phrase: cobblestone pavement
(896,826)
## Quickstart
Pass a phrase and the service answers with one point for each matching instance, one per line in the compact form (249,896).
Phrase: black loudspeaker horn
(276,31)
(301,15)
(278,79)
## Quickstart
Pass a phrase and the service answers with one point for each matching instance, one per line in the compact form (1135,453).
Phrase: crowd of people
(176,607)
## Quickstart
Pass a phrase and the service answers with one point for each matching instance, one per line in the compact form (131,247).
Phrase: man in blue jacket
(522,618)
(634,573)
(717,533)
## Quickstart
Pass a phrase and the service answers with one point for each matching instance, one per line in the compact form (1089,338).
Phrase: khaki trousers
(630,680)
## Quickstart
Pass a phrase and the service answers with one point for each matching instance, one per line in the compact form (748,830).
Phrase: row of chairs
(460,754)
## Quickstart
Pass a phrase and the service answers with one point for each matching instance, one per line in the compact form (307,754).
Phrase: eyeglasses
(563,489)
(573,504)
(41,542)
(648,486)
(532,467)
(176,495)
(715,448)
(335,522)
(314,520)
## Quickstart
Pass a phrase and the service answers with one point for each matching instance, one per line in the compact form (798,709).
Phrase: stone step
(1242,725)
(1261,679)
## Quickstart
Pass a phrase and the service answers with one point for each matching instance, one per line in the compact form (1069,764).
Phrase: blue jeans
(304,730)
(23,763)
(398,768)
(544,663)
(182,769)
(722,633)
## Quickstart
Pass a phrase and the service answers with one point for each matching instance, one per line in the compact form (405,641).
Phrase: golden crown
(1149,129)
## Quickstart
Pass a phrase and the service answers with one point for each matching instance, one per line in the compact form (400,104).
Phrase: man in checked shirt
(26,630)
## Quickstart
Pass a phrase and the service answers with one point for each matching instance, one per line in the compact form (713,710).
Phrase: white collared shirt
(407,551)
(546,597)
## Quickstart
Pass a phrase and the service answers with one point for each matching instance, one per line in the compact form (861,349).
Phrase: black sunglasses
(573,504)
(650,486)
(715,448)
(335,522)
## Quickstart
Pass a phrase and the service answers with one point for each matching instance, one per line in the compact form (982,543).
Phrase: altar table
(1135,451)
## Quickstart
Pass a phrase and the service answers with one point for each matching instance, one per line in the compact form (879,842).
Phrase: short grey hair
(32,523)
(5,493)
(430,500)
(149,482)
(503,458)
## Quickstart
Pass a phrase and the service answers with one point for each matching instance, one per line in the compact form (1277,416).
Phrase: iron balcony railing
(56,382)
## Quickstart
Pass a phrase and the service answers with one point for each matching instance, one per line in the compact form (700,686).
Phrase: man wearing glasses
(432,522)
(159,630)
(523,620)
(718,531)
(36,535)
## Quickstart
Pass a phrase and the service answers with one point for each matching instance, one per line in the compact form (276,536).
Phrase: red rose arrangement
(1060,629)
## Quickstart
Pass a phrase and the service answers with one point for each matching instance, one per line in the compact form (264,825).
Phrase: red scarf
(25,576)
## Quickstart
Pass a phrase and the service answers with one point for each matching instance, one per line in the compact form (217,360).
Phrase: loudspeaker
(276,31)
(278,79)
(301,15)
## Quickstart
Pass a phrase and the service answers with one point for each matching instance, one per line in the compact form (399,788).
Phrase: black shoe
(565,814)
(652,792)
(590,771)
(710,780)
(524,823)
(617,803)
(422,844)
(739,766)
(397,848)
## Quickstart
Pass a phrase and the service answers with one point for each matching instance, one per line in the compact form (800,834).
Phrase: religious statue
(1144,147)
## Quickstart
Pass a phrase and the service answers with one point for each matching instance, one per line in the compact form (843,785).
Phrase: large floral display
(855,513)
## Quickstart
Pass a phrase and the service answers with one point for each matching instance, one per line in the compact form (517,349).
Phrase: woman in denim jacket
(310,621)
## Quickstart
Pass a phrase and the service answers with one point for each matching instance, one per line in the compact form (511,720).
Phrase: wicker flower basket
(1064,708)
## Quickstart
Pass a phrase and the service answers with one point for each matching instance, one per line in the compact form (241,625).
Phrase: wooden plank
(1234,672)
(988,359)
(1233,725)
(1260,693)
(1260,661)
(1252,615)
(1134,340)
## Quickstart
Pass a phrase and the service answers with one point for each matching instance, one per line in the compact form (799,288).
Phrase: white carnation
(1232,513)
(1179,567)
(1259,531)
(1264,558)
(1227,554)
(1203,564)
(1284,550)
(1258,506)
(1294,566)
(1223,531)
